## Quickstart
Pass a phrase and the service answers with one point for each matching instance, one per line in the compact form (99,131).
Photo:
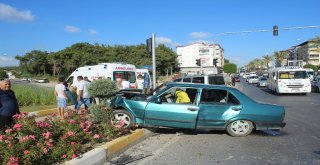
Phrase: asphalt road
(297,143)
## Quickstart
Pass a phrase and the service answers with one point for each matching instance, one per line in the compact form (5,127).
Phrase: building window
(314,55)
(204,52)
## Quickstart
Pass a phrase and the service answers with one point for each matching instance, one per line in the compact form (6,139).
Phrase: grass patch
(31,95)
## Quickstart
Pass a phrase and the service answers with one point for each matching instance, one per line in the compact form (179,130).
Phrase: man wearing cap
(8,104)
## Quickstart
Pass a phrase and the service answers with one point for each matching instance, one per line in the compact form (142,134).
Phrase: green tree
(3,74)
(230,68)
(314,67)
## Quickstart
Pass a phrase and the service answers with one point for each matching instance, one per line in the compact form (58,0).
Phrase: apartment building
(308,52)
(207,53)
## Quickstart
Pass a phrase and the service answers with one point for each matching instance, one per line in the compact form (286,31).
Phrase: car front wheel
(240,128)
(123,118)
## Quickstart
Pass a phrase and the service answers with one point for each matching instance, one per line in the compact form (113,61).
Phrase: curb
(43,112)
(110,149)
(46,112)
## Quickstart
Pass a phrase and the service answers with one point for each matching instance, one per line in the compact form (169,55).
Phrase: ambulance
(113,71)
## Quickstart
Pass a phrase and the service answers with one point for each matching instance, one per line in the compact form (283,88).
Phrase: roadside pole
(201,66)
(154,61)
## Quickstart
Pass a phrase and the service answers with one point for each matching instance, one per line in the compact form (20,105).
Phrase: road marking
(159,151)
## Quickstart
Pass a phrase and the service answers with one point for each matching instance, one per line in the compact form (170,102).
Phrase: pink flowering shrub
(52,140)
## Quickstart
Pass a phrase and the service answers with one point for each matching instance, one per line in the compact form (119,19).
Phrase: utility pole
(154,61)
(201,69)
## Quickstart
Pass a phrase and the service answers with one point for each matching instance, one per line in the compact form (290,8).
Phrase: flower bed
(52,141)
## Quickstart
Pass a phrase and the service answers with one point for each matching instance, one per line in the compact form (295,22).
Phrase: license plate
(295,89)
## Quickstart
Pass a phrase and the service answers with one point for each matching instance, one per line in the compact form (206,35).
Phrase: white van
(289,79)
(112,71)
(213,79)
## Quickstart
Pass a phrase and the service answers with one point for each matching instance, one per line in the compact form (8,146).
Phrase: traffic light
(198,62)
(215,61)
(149,45)
(275,30)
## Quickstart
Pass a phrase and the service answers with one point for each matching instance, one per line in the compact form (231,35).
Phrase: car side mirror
(158,100)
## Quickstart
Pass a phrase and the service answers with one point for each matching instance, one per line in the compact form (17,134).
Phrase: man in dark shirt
(8,104)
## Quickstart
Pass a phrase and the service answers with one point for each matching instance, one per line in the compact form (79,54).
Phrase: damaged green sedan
(209,107)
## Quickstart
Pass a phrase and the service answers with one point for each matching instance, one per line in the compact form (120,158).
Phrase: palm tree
(267,59)
(279,57)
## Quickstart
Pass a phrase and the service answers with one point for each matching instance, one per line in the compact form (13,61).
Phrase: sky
(53,25)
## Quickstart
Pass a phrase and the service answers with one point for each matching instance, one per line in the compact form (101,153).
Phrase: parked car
(42,80)
(253,79)
(211,107)
(263,81)
(213,79)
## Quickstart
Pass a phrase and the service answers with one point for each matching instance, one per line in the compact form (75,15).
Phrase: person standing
(125,84)
(233,81)
(146,83)
(60,93)
(139,82)
(83,93)
(69,94)
(8,104)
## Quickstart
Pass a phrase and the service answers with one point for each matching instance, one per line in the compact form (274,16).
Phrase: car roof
(202,75)
(187,84)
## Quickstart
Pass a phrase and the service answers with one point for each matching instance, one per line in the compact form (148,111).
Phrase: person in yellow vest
(182,96)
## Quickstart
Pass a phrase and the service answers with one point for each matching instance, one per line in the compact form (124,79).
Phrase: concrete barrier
(102,153)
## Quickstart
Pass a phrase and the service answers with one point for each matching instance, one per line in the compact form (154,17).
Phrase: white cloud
(92,31)
(198,35)
(71,29)
(11,14)
(166,41)
(8,61)
(163,40)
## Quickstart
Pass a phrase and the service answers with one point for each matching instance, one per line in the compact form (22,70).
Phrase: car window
(216,80)
(179,95)
(177,80)
(198,80)
(213,96)
(218,96)
(232,100)
(263,79)
(187,80)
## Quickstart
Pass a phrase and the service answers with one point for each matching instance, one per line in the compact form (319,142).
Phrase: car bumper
(269,125)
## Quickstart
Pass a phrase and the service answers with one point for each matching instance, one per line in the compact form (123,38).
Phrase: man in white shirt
(60,93)
(125,84)
(83,93)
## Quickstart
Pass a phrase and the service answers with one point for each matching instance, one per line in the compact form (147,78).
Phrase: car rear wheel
(240,128)
(123,118)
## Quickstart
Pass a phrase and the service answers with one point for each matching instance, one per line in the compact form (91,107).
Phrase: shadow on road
(213,132)
(279,94)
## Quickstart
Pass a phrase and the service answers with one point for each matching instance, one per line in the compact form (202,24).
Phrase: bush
(103,88)
(101,114)
(52,141)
